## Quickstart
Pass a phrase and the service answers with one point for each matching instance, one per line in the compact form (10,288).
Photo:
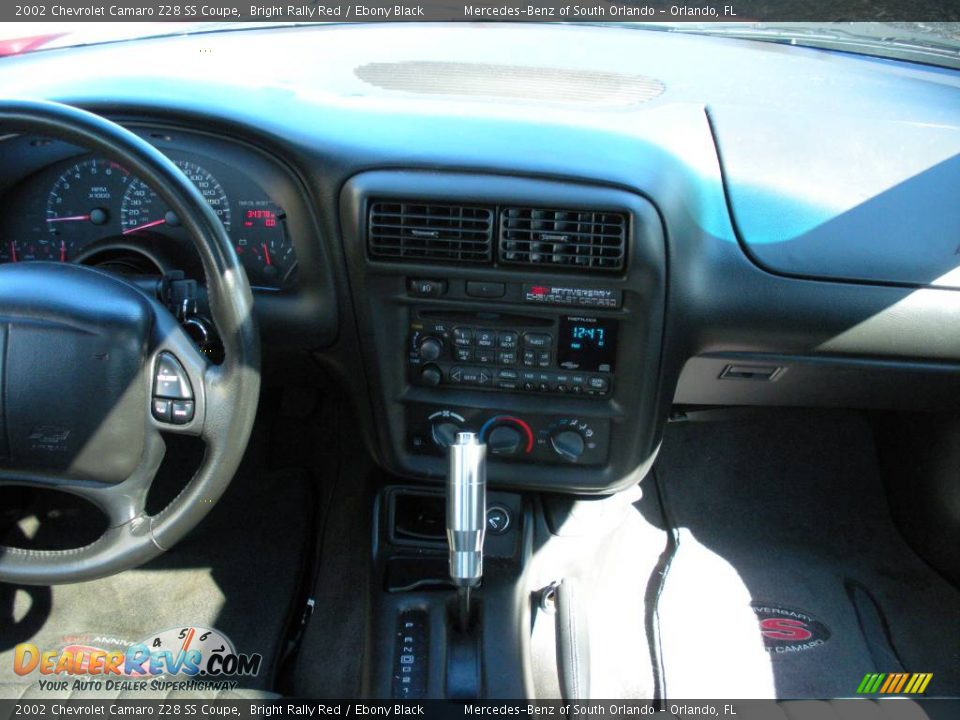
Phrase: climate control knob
(445,433)
(568,444)
(504,440)
(430,348)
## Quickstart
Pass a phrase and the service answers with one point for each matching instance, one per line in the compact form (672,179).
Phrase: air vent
(417,231)
(563,238)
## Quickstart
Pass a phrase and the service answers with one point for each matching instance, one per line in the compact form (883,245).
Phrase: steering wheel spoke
(118,371)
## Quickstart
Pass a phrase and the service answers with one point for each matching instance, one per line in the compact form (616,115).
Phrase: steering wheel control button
(181,411)
(162,410)
(171,379)
(498,520)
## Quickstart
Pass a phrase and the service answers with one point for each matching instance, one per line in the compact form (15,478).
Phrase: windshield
(935,43)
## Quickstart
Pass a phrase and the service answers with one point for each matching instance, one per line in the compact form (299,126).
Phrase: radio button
(537,341)
(509,340)
(463,336)
(529,358)
(431,375)
(486,338)
(486,357)
(543,358)
(599,384)
(461,354)
(507,357)
(470,375)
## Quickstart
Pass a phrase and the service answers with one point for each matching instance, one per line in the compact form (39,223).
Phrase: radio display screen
(587,344)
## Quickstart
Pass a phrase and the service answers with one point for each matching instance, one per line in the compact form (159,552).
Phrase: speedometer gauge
(79,206)
(143,209)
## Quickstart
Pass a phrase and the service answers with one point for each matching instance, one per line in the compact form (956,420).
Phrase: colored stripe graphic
(894,683)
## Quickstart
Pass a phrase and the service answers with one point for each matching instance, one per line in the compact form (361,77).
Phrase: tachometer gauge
(79,206)
(262,243)
(142,209)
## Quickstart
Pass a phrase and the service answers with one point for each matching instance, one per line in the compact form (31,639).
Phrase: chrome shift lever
(466,515)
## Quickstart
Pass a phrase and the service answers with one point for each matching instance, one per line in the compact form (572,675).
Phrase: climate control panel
(511,437)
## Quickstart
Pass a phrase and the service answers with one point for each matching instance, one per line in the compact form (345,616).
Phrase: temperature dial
(507,435)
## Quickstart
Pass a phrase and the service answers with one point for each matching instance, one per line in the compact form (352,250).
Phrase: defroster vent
(419,231)
(563,238)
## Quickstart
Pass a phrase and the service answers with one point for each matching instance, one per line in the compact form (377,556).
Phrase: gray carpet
(236,572)
(787,509)
(330,659)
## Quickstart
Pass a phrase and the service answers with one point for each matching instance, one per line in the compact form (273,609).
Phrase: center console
(526,311)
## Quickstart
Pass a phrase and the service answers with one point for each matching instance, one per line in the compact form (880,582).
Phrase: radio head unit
(566,354)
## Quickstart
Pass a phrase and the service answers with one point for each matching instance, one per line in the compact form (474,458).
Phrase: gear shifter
(466,516)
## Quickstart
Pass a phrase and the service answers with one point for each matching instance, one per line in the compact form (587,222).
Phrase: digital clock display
(587,343)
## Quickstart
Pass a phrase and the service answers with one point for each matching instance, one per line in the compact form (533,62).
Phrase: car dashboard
(560,268)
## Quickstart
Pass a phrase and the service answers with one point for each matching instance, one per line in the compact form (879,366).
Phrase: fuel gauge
(263,244)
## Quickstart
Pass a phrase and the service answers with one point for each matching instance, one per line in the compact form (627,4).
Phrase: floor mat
(236,572)
(781,519)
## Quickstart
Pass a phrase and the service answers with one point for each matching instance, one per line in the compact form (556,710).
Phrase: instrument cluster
(87,207)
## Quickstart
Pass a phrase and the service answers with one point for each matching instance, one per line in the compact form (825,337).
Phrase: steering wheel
(92,370)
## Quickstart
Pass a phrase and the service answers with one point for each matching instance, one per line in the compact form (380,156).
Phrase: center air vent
(417,231)
(563,238)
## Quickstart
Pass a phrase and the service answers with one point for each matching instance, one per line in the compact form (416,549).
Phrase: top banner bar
(473,11)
